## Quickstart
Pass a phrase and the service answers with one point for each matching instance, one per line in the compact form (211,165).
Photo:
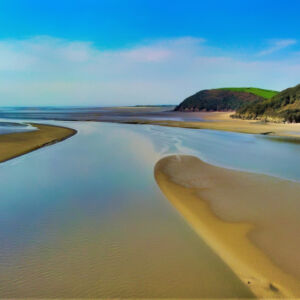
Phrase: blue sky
(143,52)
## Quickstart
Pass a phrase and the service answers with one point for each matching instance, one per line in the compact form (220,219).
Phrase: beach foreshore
(237,214)
(16,144)
(222,121)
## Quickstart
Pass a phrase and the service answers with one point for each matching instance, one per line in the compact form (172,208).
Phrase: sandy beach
(222,121)
(16,144)
(237,214)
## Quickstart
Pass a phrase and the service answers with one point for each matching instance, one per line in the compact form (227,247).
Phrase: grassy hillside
(283,107)
(256,91)
(219,99)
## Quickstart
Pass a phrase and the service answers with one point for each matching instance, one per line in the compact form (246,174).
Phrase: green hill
(283,107)
(256,91)
(223,99)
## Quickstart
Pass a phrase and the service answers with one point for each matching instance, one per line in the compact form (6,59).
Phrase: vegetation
(256,91)
(220,99)
(283,107)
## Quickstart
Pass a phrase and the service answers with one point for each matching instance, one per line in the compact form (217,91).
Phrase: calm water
(104,114)
(85,218)
(254,153)
(10,127)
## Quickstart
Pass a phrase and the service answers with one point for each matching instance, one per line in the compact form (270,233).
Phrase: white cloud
(51,71)
(145,54)
(277,45)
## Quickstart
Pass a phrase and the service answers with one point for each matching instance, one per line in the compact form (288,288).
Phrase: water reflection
(84,218)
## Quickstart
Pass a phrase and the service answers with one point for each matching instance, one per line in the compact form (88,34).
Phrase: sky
(128,52)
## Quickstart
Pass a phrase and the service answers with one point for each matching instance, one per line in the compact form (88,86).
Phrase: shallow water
(103,114)
(247,152)
(85,218)
(10,127)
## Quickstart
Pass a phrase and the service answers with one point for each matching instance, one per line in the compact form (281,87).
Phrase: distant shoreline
(223,122)
(158,116)
(20,143)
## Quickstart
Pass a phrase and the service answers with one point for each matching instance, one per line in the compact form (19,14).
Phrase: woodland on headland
(248,103)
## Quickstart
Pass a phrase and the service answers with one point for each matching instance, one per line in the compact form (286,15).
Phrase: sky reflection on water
(85,218)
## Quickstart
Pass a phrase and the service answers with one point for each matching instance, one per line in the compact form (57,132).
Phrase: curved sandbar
(250,220)
(16,144)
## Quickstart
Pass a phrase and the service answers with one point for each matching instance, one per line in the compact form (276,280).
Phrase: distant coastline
(162,116)
(222,121)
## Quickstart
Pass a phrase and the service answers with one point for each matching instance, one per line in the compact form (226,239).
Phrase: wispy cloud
(51,71)
(277,45)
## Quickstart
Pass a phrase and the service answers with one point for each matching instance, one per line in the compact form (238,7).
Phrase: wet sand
(222,121)
(250,220)
(16,144)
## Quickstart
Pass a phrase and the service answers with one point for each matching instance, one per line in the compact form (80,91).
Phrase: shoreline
(191,186)
(223,122)
(20,143)
(193,120)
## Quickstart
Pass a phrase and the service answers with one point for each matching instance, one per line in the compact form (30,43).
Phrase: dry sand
(223,121)
(251,221)
(16,144)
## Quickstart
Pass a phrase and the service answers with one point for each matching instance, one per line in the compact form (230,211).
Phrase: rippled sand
(252,221)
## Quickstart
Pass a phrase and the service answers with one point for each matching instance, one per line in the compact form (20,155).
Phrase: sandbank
(250,220)
(16,144)
(222,121)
